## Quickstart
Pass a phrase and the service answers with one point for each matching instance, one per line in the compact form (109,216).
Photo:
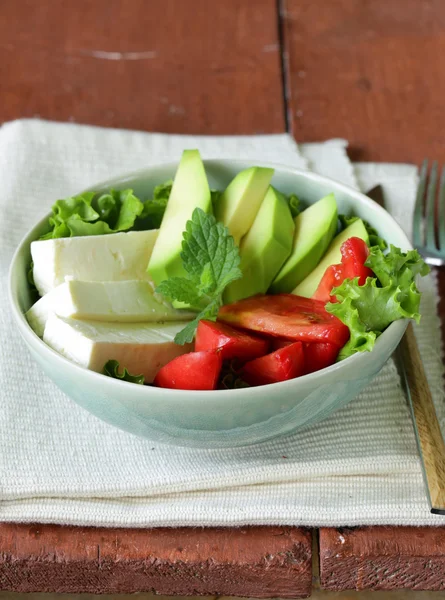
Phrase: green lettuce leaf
(111,368)
(377,306)
(360,340)
(392,295)
(294,204)
(154,208)
(374,238)
(94,214)
(396,266)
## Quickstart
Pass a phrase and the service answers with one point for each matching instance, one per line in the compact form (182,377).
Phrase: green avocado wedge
(264,248)
(240,202)
(309,285)
(314,229)
(190,190)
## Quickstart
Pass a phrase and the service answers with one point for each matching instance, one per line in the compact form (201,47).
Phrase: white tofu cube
(112,257)
(142,348)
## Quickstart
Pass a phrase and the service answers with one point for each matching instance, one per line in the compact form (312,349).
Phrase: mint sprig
(211,260)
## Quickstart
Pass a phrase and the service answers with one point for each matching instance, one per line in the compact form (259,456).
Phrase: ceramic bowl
(222,418)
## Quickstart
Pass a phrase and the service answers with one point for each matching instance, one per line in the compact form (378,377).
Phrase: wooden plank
(371,72)
(382,558)
(183,67)
(259,562)
(170,66)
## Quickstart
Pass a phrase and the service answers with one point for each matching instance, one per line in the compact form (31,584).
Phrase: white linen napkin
(60,464)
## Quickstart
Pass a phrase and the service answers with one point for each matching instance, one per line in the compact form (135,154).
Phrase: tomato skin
(319,356)
(286,316)
(332,278)
(231,342)
(192,371)
(281,365)
(354,252)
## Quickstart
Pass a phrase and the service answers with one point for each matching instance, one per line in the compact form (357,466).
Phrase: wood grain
(429,435)
(170,66)
(370,71)
(382,558)
(260,562)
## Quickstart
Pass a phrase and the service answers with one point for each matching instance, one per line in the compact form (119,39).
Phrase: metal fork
(427,221)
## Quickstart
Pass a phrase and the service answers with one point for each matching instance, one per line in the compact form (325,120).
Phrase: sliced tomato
(192,371)
(278,343)
(285,363)
(354,253)
(319,356)
(232,343)
(332,277)
(286,316)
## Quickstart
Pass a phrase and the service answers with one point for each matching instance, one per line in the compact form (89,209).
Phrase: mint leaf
(211,260)
(181,290)
(374,238)
(207,242)
(186,335)
(111,368)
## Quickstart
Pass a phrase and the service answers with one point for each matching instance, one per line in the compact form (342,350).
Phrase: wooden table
(369,71)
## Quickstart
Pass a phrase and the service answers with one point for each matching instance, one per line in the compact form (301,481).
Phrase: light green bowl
(223,418)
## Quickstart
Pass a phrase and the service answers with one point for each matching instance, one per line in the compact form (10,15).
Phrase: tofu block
(112,257)
(143,348)
(113,301)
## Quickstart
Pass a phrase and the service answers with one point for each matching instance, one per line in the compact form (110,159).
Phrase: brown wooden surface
(382,558)
(370,71)
(161,65)
(259,562)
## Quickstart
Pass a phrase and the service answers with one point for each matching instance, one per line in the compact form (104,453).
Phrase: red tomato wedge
(285,363)
(332,278)
(231,342)
(192,371)
(286,316)
(319,356)
(354,253)
(278,343)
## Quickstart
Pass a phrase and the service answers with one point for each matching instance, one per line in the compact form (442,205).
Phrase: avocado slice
(190,190)
(239,203)
(264,248)
(314,229)
(309,285)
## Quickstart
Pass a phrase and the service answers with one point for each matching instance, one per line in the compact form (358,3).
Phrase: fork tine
(430,212)
(442,211)
(418,208)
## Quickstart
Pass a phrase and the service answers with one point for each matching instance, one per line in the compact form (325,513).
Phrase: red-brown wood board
(260,562)
(369,71)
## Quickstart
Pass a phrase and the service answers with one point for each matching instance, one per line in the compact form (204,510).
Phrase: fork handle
(429,435)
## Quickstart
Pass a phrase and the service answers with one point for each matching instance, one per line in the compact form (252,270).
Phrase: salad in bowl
(260,292)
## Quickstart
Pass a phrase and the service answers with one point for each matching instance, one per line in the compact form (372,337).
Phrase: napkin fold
(60,464)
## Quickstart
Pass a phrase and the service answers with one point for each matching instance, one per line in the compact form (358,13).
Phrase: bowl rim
(396,329)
